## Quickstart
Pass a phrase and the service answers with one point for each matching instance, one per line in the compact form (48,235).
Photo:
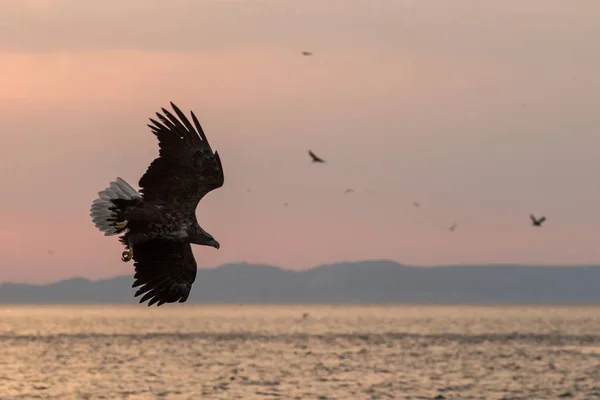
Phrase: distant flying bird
(307,53)
(416,204)
(348,191)
(536,222)
(158,224)
(285,204)
(314,157)
(453,227)
(51,252)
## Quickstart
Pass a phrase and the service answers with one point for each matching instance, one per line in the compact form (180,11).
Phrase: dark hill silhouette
(348,282)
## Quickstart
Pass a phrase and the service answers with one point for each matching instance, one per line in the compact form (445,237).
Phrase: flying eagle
(158,224)
(314,158)
(536,221)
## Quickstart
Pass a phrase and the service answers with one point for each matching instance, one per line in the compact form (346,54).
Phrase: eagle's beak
(215,244)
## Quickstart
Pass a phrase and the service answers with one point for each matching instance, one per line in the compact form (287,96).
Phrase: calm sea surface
(299,352)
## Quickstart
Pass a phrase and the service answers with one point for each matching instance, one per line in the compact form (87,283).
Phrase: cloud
(152,25)
(534,31)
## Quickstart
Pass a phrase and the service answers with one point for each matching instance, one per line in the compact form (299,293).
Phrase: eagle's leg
(121,225)
(127,255)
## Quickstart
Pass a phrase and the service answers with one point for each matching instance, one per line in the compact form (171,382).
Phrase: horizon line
(399,264)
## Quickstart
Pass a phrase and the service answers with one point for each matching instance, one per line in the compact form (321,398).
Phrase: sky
(481,111)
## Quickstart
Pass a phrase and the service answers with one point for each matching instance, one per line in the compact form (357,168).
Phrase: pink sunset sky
(481,111)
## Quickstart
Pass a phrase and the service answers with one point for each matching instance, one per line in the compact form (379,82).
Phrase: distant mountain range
(348,282)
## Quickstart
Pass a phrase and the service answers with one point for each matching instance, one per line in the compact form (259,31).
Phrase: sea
(343,352)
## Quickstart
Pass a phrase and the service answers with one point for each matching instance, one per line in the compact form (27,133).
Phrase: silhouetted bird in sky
(158,224)
(348,191)
(536,222)
(453,227)
(51,252)
(416,204)
(314,157)
(285,204)
(307,53)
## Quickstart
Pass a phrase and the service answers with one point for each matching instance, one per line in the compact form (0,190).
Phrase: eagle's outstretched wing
(165,270)
(315,158)
(187,168)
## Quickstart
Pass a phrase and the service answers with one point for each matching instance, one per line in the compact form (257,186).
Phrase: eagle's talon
(127,255)
(121,225)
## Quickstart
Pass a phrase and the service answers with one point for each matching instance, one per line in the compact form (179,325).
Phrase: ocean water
(299,352)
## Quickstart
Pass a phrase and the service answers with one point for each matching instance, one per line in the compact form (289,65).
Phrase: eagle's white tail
(105,213)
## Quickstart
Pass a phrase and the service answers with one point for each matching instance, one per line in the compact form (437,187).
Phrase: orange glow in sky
(414,100)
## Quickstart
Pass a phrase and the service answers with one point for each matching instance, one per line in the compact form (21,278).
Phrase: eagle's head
(203,238)
(213,243)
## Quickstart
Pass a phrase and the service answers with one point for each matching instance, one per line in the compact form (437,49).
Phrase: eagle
(158,224)
(536,221)
(315,158)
